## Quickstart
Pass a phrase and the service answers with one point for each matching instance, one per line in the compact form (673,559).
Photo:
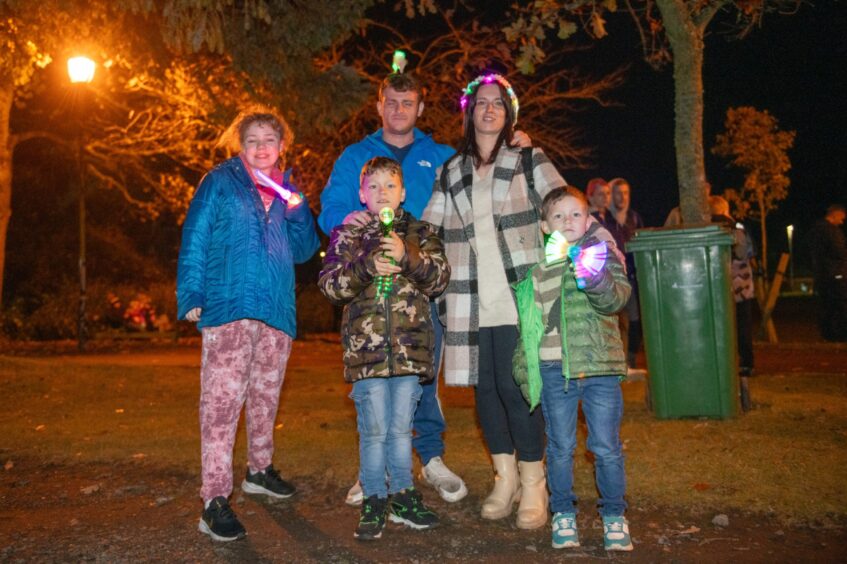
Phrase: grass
(786,458)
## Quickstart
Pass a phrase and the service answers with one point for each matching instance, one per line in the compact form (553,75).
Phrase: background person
(622,224)
(829,262)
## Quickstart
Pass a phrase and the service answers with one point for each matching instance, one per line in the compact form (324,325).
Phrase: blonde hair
(233,138)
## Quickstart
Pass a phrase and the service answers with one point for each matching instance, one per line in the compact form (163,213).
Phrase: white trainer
(355,495)
(449,486)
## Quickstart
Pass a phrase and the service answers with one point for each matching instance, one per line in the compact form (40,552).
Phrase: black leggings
(504,416)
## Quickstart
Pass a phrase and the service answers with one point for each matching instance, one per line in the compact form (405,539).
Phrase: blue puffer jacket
(237,260)
(340,196)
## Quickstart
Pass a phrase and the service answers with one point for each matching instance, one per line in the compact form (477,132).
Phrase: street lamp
(81,71)
(790,231)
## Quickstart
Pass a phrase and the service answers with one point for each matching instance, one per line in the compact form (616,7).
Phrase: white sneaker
(450,487)
(355,495)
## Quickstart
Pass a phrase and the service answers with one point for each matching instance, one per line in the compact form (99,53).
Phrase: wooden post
(773,294)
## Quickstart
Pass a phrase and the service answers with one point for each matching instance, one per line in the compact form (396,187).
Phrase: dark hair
(400,82)
(468,146)
(593,184)
(378,164)
(557,194)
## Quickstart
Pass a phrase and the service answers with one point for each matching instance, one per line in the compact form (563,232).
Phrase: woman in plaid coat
(486,205)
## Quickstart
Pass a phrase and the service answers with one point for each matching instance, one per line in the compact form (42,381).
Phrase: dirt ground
(136,510)
(131,513)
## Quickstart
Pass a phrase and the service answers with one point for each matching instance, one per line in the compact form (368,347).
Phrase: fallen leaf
(701,486)
(9,465)
(41,427)
(139,455)
(279,426)
(690,530)
(119,411)
(90,489)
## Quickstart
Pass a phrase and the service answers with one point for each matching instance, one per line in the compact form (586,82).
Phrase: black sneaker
(371,519)
(267,482)
(407,507)
(219,522)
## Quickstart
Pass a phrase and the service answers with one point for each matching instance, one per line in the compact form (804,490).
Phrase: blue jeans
(384,411)
(429,420)
(602,405)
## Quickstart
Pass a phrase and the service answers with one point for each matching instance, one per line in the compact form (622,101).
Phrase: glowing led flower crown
(489,79)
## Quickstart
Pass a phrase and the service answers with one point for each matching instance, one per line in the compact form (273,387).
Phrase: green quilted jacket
(591,340)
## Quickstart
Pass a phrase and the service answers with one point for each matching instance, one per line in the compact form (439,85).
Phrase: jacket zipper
(388,332)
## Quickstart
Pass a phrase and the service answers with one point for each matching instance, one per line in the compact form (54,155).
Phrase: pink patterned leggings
(242,360)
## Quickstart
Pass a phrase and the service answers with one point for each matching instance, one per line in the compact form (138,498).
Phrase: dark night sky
(793,67)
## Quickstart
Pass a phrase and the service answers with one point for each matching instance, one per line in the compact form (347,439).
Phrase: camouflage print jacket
(390,336)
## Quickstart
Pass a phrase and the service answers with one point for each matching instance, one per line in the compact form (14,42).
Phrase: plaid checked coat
(517,217)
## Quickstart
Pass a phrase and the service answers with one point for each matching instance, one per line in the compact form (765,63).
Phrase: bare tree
(670,30)
(447,48)
(754,143)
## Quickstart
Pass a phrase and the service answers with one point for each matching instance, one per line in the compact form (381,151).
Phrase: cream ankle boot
(506,488)
(532,511)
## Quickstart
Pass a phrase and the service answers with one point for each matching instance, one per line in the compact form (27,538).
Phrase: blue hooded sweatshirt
(341,194)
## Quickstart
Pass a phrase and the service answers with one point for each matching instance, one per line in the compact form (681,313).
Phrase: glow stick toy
(588,262)
(398,63)
(556,248)
(386,224)
(292,198)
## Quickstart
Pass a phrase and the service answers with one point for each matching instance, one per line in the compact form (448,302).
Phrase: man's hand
(521,139)
(194,315)
(358,218)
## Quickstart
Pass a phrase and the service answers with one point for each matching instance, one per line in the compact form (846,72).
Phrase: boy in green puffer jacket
(570,351)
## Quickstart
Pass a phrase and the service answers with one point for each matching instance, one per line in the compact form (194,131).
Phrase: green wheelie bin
(688,316)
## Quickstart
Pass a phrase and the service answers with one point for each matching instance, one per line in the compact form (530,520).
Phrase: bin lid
(680,237)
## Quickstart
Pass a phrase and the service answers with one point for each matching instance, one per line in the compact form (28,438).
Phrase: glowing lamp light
(81,69)
(789,229)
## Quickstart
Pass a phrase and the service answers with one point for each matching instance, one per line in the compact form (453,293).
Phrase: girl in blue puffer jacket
(235,279)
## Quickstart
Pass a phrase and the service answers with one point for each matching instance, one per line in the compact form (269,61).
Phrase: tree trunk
(686,40)
(6,150)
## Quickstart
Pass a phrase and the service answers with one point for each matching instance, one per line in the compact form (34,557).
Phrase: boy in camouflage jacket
(385,283)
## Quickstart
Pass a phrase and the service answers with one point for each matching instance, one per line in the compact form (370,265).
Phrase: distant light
(323,254)
(81,69)
(790,230)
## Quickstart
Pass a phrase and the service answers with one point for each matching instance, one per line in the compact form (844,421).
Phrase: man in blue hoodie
(400,104)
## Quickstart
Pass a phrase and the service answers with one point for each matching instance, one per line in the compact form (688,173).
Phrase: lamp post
(790,232)
(81,71)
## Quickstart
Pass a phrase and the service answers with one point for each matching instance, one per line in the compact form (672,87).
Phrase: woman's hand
(194,314)
(358,218)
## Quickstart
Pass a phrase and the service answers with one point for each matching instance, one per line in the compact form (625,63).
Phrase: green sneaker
(407,507)
(565,534)
(616,533)
(371,519)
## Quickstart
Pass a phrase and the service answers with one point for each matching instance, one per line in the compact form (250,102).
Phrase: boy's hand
(393,247)
(358,218)
(194,314)
(384,266)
